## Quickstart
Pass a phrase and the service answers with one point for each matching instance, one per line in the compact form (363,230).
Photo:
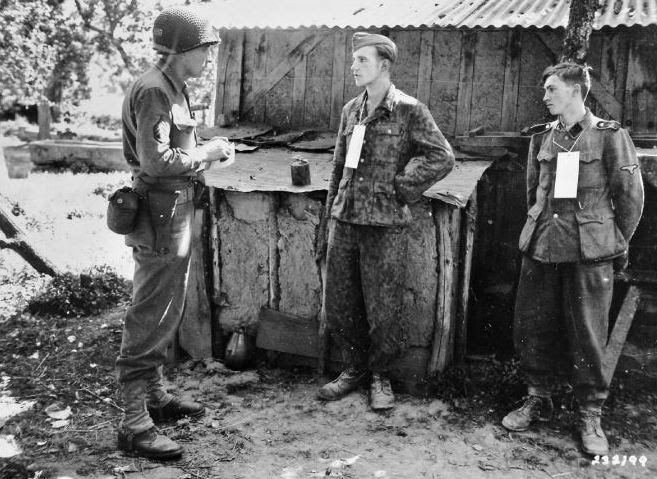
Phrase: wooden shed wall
(468,78)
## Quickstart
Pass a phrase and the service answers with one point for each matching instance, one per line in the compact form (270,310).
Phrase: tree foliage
(46,47)
(43,52)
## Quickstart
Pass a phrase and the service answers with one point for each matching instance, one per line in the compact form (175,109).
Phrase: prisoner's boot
(594,441)
(381,396)
(347,381)
(176,409)
(534,408)
(149,444)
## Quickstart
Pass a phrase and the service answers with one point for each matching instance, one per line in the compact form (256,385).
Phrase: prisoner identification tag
(565,183)
(355,147)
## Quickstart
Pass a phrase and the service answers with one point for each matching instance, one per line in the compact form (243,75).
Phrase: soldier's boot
(381,395)
(534,408)
(594,441)
(175,409)
(346,382)
(149,444)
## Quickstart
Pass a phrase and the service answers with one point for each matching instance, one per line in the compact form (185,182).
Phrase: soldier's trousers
(561,325)
(365,272)
(151,322)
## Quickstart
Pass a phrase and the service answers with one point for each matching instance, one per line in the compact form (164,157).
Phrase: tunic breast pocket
(591,170)
(387,142)
(182,136)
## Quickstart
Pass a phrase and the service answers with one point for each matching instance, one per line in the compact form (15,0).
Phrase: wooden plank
(511,79)
(613,69)
(195,330)
(467,253)
(425,65)
(229,78)
(274,257)
(620,330)
(298,93)
(255,73)
(443,99)
(418,310)
(317,103)
(278,99)
(280,70)
(214,245)
(488,80)
(287,333)
(535,57)
(466,73)
(405,69)
(447,220)
(337,77)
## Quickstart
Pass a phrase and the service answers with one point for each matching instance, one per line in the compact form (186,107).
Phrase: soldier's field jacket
(158,128)
(403,154)
(600,221)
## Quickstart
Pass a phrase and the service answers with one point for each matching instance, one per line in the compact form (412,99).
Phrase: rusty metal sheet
(315,141)
(268,169)
(233,133)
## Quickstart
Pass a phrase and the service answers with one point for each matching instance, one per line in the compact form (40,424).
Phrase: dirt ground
(264,422)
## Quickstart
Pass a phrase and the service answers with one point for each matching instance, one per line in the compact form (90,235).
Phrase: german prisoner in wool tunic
(158,131)
(569,244)
(403,154)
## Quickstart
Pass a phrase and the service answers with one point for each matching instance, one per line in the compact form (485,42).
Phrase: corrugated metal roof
(415,13)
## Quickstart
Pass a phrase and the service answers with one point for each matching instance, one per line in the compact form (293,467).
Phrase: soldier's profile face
(367,66)
(559,95)
(196,60)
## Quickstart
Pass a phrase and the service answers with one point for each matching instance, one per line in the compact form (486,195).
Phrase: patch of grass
(91,292)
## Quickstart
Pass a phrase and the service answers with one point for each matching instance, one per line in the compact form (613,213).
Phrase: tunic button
(360,179)
(362,160)
(389,132)
(555,216)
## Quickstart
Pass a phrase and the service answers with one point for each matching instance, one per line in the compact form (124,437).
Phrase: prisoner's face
(367,66)
(559,95)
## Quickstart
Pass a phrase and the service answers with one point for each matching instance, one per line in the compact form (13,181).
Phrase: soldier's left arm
(433,157)
(625,181)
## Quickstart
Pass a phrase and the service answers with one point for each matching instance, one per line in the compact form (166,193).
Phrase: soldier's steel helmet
(180,29)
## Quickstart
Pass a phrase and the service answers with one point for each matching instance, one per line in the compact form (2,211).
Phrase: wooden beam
(605,99)
(299,92)
(511,80)
(448,221)
(337,84)
(466,75)
(19,242)
(274,255)
(229,78)
(295,55)
(469,230)
(287,333)
(425,65)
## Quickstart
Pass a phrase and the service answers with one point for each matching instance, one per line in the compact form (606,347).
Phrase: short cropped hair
(571,73)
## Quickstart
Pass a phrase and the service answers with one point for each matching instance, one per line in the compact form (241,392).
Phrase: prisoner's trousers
(365,272)
(561,325)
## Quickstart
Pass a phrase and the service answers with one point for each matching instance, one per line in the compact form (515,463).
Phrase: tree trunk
(44,119)
(578,31)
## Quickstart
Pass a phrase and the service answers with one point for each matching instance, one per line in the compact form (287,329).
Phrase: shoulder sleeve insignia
(162,130)
(607,125)
(536,129)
